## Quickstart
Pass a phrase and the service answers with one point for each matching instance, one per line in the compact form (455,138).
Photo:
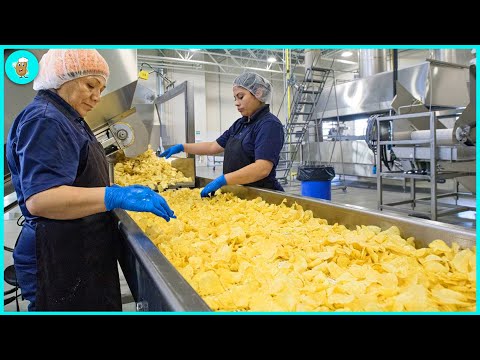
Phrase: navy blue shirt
(264,140)
(47,145)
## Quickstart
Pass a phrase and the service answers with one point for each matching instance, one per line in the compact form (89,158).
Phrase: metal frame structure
(184,88)
(187,166)
(234,61)
(432,177)
(303,107)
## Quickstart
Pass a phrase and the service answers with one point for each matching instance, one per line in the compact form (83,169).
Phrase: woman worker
(251,145)
(65,258)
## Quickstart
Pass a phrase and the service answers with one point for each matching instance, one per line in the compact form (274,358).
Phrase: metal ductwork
(374,94)
(461,57)
(372,61)
(446,55)
(312,58)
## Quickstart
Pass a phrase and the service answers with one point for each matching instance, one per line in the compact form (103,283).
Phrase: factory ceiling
(230,61)
(269,62)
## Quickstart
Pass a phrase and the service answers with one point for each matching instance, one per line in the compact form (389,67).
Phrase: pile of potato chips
(148,169)
(248,255)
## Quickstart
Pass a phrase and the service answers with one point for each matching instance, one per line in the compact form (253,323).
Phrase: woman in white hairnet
(251,145)
(65,258)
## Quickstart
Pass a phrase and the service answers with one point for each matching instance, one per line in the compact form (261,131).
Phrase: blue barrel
(317,189)
(316,181)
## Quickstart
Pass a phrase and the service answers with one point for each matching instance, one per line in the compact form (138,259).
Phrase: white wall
(221,110)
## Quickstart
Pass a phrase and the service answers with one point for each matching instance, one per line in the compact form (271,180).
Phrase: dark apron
(236,158)
(77,259)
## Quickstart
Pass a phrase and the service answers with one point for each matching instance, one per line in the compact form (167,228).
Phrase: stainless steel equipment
(157,286)
(432,146)
(432,85)
(425,158)
(121,124)
(115,124)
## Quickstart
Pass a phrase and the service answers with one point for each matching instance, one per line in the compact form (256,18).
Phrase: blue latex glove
(213,186)
(137,198)
(175,149)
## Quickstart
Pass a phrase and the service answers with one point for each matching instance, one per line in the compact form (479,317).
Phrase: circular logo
(21,67)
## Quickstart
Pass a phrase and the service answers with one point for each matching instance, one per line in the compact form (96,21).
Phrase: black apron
(77,259)
(236,158)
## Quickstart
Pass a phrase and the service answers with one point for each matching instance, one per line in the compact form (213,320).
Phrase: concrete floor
(356,193)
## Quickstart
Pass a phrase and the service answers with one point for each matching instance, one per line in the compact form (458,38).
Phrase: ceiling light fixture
(347,53)
(272,59)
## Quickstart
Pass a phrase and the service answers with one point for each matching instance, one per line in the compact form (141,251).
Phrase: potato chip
(248,255)
(149,170)
(462,261)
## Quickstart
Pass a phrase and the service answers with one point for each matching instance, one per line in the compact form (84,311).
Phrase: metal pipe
(372,61)
(395,71)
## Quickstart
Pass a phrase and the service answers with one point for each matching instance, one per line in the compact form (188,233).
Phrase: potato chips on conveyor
(249,255)
(148,169)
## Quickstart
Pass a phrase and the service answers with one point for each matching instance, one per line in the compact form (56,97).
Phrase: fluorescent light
(272,59)
(347,53)
(194,49)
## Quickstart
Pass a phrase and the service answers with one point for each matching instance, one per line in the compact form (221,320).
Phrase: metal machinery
(157,286)
(445,89)
(428,146)
(438,85)
(123,121)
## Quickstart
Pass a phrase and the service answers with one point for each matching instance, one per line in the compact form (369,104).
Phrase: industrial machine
(157,286)
(431,85)
(123,121)
(426,124)
(428,146)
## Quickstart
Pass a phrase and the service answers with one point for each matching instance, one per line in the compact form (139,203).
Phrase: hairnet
(256,84)
(59,66)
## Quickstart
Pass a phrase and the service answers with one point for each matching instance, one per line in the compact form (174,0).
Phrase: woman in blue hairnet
(251,145)
(66,258)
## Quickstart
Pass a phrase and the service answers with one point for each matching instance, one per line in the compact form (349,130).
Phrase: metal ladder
(301,113)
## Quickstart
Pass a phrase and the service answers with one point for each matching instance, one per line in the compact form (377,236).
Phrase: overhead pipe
(312,59)
(395,71)
(372,61)
(287,78)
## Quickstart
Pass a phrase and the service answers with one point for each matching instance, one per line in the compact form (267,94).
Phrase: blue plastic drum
(316,181)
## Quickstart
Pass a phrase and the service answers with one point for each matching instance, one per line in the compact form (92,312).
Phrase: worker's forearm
(67,202)
(248,174)
(203,148)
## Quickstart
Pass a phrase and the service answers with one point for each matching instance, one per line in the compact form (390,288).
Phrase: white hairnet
(256,84)
(59,66)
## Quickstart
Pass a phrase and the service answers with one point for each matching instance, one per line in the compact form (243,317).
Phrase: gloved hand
(175,149)
(137,198)
(216,184)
